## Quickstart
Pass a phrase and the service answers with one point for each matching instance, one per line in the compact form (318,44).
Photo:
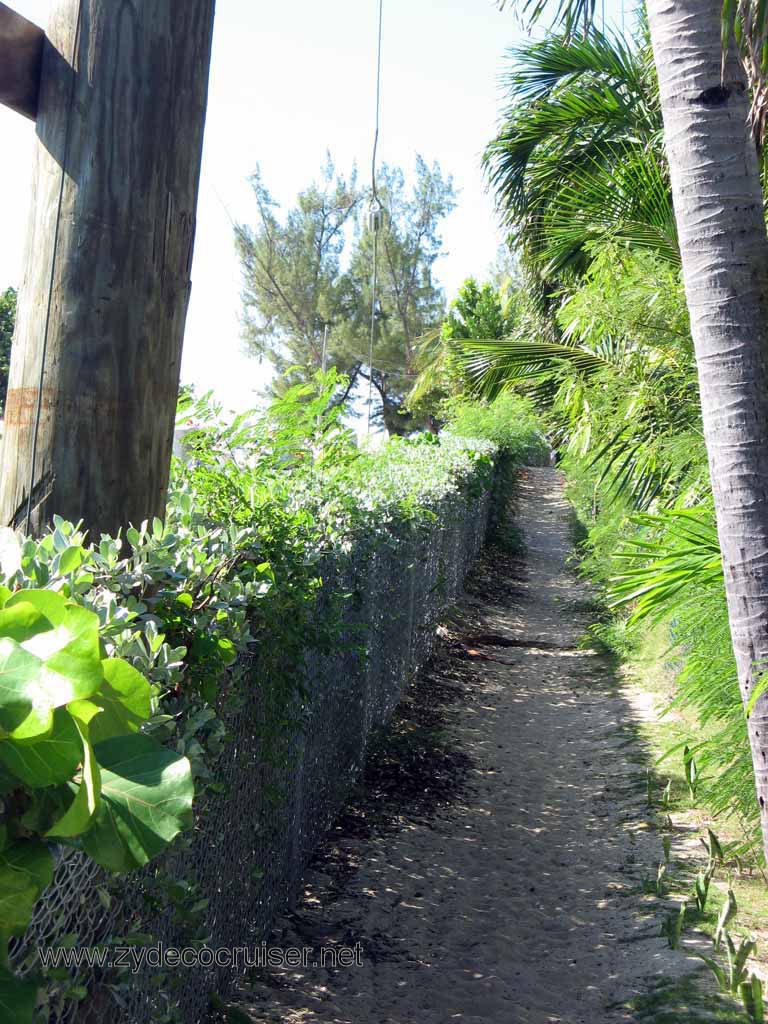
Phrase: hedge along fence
(269,649)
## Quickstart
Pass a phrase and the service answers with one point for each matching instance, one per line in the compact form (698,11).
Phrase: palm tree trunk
(719,211)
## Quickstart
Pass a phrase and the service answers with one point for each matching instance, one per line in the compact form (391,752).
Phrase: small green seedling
(751,993)
(672,927)
(714,850)
(737,960)
(701,892)
(717,969)
(660,873)
(727,914)
(691,772)
(732,979)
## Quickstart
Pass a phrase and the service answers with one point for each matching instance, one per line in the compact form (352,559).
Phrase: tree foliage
(308,277)
(478,311)
(293,291)
(579,156)
(7,324)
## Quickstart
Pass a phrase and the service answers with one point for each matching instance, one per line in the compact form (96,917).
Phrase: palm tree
(718,201)
(724,251)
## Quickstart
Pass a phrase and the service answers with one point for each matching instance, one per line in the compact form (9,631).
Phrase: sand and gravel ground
(491,861)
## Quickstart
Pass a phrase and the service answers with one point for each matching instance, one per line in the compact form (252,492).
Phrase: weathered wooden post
(97,350)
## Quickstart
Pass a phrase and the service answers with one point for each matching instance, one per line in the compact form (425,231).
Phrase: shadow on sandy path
(491,862)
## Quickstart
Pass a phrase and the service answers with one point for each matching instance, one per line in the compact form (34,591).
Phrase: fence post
(97,350)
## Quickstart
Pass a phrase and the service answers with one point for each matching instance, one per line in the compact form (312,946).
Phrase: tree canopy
(307,278)
(7,323)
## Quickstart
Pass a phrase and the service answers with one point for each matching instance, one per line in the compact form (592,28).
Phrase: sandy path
(518,903)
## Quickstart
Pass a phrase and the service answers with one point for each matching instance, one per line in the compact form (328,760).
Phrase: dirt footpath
(491,868)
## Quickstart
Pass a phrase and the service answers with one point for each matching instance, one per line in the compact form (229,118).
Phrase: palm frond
(626,200)
(536,70)
(496,365)
(679,550)
(571,15)
(578,156)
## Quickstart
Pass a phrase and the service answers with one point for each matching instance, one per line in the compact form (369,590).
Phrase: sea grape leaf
(44,668)
(26,868)
(71,651)
(49,760)
(48,602)
(125,697)
(23,706)
(70,560)
(22,620)
(17,998)
(46,806)
(146,800)
(8,782)
(85,804)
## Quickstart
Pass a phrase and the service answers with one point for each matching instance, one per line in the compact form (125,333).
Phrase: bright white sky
(288,81)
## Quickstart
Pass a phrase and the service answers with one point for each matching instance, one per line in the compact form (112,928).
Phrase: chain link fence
(244,861)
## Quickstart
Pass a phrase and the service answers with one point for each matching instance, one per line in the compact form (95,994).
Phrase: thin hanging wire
(375,221)
(54,254)
(374,193)
(374,285)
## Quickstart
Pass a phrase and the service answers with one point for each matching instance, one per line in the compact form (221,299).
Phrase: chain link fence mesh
(245,859)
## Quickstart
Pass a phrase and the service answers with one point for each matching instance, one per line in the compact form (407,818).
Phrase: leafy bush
(509,422)
(671,572)
(73,766)
(116,651)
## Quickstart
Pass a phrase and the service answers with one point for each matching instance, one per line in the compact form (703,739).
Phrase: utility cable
(375,221)
(374,285)
(374,193)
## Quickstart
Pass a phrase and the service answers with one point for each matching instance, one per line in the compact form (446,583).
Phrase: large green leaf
(49,656)
(146,800)
(8,782)
(17,999)
(125,697)
(24,707)
(71,652)
(48,602)
(81,811)
(26,868)
(22,620)
(49,760)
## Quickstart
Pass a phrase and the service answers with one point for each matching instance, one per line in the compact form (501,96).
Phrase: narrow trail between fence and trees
(490,864)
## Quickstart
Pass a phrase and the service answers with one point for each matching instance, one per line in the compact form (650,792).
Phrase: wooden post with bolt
(97,350)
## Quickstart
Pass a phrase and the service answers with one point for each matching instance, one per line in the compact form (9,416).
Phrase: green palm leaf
(578,156)
(686,556)
(495,365)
